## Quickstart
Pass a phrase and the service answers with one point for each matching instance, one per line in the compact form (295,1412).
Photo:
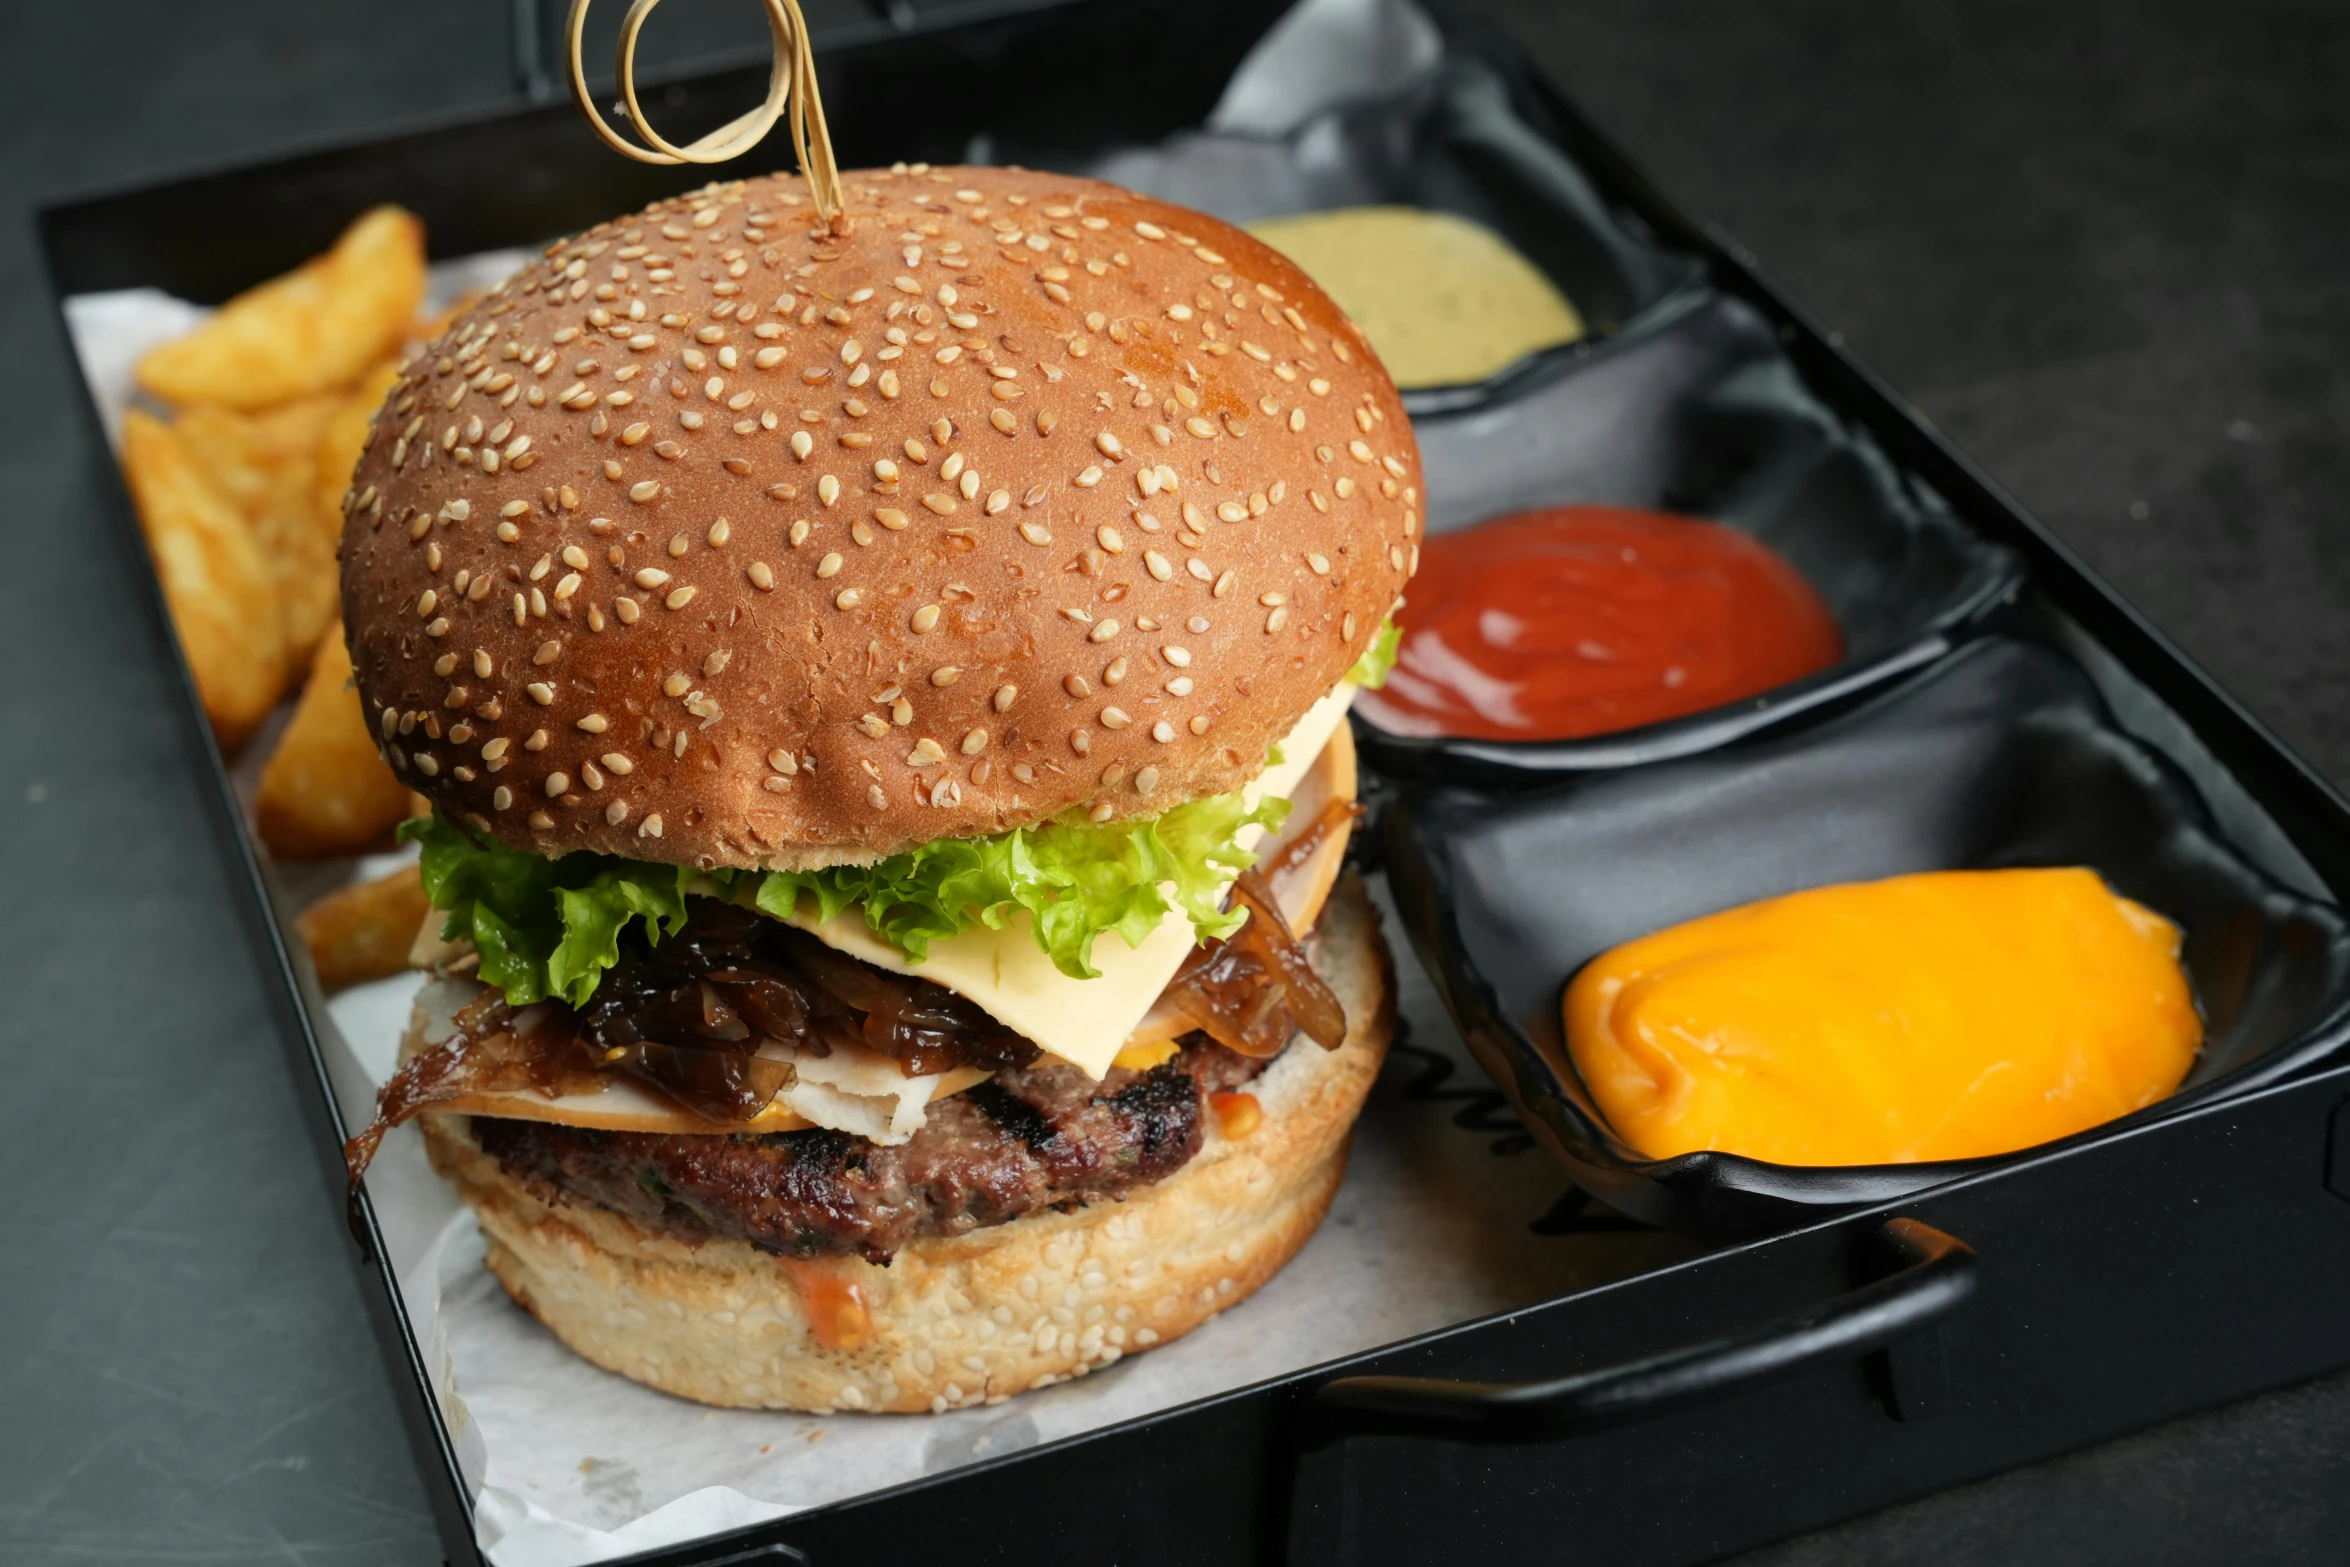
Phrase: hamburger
(881,684)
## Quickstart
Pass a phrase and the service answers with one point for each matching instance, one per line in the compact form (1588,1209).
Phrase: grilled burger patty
(1039,1136)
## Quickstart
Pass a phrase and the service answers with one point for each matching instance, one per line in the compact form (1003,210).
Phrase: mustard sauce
(1444,300)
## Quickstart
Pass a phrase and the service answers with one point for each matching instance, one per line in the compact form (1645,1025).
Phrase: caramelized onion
(1254,990)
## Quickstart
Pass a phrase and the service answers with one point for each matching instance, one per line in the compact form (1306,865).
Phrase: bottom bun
(965,1319)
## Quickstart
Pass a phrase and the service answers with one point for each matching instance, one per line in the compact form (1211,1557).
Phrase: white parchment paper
(1448,1213)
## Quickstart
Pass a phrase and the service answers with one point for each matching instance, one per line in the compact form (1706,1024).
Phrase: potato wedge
(267,463)
(215,580)
(326,790)
(342,440)
(363,932)
(317,327)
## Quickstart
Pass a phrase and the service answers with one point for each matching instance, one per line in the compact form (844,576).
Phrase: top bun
(720,537)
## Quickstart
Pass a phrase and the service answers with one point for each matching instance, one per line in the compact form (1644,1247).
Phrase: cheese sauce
(1582,620)
(1939,1016)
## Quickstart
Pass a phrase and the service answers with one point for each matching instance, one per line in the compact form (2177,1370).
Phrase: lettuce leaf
(1370,671)
(1076,878)
(543,927)
(551,927)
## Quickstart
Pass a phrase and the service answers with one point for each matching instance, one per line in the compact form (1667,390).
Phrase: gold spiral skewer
(791,94)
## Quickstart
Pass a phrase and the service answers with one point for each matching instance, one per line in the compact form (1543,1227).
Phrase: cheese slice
(1085,1022)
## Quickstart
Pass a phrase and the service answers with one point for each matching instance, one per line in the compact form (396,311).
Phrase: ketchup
(1580,620)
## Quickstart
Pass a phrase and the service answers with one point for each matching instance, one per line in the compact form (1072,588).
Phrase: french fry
(215,580)
(326,790)
(364,931)
(317,327)
(267,463)
(341,441)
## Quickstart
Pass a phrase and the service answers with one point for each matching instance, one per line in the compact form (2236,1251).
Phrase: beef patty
(1039,1136)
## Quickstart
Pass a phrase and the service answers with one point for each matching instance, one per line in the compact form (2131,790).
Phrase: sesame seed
(1224,584)
(926,753)
(924,618)
(677,684)
(1278,619)
(1110,538)
(1115,718)
(829,566)
(1346,627)
(1103,632)
(557,785)
(626,609)
(1036,533)
(876,798)
(1004,697)
(1080,741)
(595,723)
(1179,686)
(1100,811)
(892,518)
(848,598)
(1197,625)
(650,827)
(1232,511)
(501,797)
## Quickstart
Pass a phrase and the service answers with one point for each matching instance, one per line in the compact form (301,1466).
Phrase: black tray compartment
(2003,755)
(1452,141)
(1697,409)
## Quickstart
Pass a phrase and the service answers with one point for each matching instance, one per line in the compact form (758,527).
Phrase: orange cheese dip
(1939,1016)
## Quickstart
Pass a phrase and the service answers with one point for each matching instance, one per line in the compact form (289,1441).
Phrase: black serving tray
(1853,1360)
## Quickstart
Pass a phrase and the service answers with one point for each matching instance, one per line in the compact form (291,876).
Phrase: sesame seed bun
(970,1318)
(718,537)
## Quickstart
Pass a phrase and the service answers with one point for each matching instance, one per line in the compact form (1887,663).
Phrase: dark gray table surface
(2103,243)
